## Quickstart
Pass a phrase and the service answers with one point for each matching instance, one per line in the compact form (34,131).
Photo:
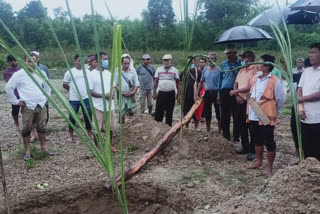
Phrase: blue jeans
(76,106)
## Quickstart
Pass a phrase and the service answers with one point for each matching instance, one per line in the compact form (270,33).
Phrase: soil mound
(292,190)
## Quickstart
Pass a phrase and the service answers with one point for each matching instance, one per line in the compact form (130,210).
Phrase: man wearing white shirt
(309,104)
(268,92)
(32,102)
(97,98)
(74,97)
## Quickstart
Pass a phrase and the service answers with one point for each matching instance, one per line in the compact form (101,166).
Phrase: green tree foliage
(157,30)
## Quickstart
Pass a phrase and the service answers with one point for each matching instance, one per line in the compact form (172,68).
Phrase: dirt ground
(197,173)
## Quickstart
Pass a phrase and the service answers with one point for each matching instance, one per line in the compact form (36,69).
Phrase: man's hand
(126,94)
(218,100)
(21,103)
(232,92)
(302,115)
(300,99)
(107,96)
(155,96)
(239,99)
(178,99)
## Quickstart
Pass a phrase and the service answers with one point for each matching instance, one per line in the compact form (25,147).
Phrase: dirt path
(196,173)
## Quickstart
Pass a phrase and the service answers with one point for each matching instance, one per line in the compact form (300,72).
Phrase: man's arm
(309,98)
(66,86)
(11,85)
(178,88)
(200,86)
(98,95)
(155,86)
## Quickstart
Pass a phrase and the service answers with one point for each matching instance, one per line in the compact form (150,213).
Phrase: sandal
(49,153)
(26,157)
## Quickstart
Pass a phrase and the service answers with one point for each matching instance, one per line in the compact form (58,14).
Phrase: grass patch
(132,148)
(36,155)
(286,111)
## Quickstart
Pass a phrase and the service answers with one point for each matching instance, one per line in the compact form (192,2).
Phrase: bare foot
(268,172)
(255,165)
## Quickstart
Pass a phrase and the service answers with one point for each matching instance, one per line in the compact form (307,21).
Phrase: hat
(35,53)
(212,54)
(248,54)
(230,49)
(167,56)
(146,56)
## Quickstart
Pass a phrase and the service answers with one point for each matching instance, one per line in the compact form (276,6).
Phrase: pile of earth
(292,190)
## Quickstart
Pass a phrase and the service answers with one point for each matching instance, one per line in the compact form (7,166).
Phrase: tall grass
(102,153)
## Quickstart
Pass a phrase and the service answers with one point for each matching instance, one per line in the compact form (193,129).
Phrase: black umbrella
(243,34)
(275,14)
(308,5)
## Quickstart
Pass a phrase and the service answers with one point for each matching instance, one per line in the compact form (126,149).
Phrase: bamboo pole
(162,143)
(3,177)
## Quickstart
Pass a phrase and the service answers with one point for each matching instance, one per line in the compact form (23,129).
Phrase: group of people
(238,90)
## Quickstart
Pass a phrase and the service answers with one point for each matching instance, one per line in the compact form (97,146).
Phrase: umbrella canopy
(243,34)
(302,17)
(309,5)
(290,16)
(274,14)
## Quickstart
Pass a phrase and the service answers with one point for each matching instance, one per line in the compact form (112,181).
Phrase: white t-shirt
(167,79)
(27,89)
(79,78)
(95,85)
(310,83)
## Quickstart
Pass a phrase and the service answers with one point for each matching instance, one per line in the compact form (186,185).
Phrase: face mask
(105,63)
(243,62)
(259,73)
(192,66)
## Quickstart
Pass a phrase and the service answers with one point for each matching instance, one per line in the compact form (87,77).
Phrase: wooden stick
(162,143)
(6,199)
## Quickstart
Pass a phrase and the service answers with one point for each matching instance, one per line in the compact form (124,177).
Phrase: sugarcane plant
(102,151)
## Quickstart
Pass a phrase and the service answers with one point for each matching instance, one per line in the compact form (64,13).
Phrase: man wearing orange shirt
(241,90)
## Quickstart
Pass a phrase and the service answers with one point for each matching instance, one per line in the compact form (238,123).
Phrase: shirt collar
(266,77)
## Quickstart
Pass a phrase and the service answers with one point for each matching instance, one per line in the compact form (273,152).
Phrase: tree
(7,16)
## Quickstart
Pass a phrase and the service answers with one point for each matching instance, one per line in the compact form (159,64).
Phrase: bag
(133,97)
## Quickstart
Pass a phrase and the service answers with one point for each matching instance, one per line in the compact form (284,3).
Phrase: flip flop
(26,157)
(49,153)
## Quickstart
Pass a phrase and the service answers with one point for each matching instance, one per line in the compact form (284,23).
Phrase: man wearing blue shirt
(228,103)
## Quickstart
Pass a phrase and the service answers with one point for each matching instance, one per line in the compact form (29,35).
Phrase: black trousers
(209,98)
(294,129)
(263,135)
(311,140)
(165,103)
(228,108)
(247,144)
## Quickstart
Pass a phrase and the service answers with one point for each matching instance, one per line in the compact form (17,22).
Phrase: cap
(146,56)
(167,56)
(35,53)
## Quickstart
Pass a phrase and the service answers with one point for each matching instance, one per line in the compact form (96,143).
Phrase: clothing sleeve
(280,96)
(11,85)
(67,78)
(46,70)
(301,82)
(138,69)
(6,75)
(135,79)
(153,70)
(91,80)
(177,74)
(46,87)
(156,75)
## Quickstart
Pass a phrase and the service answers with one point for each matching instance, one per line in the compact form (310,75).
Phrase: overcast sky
(119,8)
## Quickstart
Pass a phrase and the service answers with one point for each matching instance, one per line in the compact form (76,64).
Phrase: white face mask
(259,73)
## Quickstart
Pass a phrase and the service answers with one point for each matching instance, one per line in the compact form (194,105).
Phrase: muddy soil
(197,173)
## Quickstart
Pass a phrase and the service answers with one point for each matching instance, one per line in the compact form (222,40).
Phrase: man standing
(210,78)
(74,97)
(309,104)
(166,81)
(241,91)
(7,74)
(202,64)
(41,66)
(32,102)
(97,98)
(145,75)
(300,66)
(227,102)
(129,86)
(268,91)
